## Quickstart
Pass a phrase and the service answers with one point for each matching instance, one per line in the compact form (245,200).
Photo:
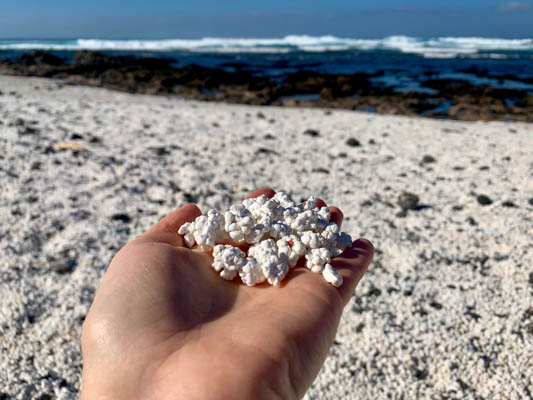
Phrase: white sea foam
(443,47)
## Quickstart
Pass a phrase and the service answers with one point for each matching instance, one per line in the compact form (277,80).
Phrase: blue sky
(273,18)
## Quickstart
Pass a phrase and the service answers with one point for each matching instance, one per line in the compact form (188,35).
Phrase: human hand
(164,325)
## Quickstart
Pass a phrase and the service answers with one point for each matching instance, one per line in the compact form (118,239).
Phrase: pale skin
(163,325)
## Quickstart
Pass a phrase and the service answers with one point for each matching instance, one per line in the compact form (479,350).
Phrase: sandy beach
(445,310)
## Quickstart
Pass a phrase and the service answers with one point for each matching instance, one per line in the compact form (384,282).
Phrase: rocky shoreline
(442,98)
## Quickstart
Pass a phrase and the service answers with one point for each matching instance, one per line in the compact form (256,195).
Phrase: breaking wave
(444,47)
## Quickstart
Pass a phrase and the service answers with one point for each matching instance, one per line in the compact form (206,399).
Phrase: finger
(336,215)
(320,203)
(352,265)
(172,222)
(268,192)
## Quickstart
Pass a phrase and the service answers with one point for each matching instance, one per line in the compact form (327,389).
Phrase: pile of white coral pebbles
(279,233)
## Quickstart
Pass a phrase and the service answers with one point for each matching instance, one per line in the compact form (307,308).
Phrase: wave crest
(432,47)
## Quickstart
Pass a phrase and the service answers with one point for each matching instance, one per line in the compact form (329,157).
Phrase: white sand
(446,310)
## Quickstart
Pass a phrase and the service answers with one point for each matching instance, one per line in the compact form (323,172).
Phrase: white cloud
(514,6)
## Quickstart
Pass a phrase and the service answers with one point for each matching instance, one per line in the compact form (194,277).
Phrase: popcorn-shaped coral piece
(284,200)
(331,232)
(203,231)
(251,273)
(292,247)
(274,264)
(241,226)
(310,204)
(187,231)
(317,258)
(279,230)
(280,233)
(342,242)
(228,260)
(324,213)
(331,275)
(313,240)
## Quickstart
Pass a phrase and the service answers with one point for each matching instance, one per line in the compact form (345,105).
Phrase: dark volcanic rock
(408,201)
(40,58)
(311,132)
(125,218)
(428,159)
(160,150)
(89,58)
(420,374)
(264,150)
(27,130)
(509,203)
(63,262)
(76,136)
(353,142)
(484,200)
(471,221)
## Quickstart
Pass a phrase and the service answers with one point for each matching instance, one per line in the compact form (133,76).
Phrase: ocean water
(401,62)
(442,47)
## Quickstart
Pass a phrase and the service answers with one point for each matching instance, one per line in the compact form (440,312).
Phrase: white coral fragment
(274,264)
(280,233)
(284,200)
(331,275)
(317,259)
(292,247)
(228,260)
(203,231)
(251,273)
(187,230)
(313,240)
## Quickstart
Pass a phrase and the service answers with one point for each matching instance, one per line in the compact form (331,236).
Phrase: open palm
(163,325)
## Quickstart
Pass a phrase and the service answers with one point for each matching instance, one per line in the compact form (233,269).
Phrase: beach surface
(445,310)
